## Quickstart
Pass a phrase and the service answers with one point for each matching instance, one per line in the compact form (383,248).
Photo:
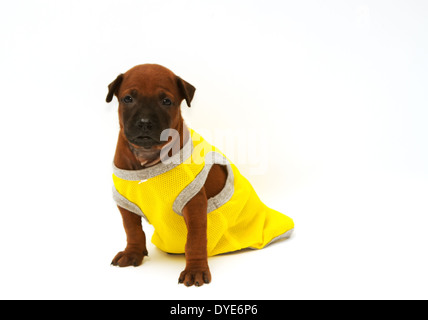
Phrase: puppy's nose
(145,124)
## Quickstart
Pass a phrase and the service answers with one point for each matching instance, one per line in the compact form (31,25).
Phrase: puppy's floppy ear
(113,87)
(186,89)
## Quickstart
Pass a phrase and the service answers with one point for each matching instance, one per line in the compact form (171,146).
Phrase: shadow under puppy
(196,199)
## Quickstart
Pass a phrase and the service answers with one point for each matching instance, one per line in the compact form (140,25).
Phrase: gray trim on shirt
(193,188)
(161,167)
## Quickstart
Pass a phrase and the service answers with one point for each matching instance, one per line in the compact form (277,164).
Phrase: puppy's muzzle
(145,125)
(144,133)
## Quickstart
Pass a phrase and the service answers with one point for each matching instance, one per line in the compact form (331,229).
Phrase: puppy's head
(149,98)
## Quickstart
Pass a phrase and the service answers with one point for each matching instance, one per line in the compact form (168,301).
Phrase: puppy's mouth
(144,141)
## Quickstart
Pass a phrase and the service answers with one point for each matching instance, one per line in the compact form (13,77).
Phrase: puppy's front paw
(126,258)
(195,276)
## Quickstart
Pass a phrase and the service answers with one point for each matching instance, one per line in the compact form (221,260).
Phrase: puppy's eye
(166,102)
(127,99)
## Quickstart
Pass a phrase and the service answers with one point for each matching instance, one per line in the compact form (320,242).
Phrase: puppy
(196,199)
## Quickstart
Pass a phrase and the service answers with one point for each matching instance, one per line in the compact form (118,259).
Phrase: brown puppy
(149,102)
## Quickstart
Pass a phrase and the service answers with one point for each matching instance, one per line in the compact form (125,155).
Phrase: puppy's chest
(158,193)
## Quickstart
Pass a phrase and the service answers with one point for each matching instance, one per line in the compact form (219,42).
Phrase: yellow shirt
(237,219)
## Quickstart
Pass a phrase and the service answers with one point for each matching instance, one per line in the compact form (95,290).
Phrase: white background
(337,91)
